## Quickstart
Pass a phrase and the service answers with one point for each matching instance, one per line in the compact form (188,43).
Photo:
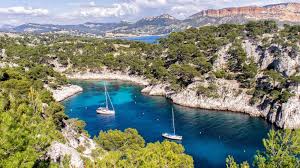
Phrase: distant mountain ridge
(163,24)
(162,20)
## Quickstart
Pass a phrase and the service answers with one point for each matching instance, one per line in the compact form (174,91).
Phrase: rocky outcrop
(221,61)
(239,103)
(64,92)
(282,12)
(229,98)
(289,116)
(6,64)
(58,67)
(59,151)
(156,90)
(107,75)
(75,140)
(76,147)
(286,65)
(283,60)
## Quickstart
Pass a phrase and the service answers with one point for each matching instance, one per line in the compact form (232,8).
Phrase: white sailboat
(173,135)
(105,110)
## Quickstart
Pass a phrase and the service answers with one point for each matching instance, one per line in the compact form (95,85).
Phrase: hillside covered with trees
(256,64)
(258,57)
(31,122)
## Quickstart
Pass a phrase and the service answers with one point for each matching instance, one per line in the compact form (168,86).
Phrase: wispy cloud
(20,10)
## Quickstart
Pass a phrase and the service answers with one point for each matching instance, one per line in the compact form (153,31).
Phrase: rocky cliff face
(232,97)
(282,12)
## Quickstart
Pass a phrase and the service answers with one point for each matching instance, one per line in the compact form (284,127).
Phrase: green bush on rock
(127,149)
(282,150)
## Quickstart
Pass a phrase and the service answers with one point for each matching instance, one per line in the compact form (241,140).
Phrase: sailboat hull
(171,136)
(106,111)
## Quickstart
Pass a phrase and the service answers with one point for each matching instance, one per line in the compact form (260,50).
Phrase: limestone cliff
(282,12)
(232,97)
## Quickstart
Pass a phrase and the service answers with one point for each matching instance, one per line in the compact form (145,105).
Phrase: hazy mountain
(282,13)
(162,20)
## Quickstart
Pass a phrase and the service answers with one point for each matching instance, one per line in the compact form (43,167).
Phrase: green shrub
(221,74)
(285,96)
(210,91)
(114,140)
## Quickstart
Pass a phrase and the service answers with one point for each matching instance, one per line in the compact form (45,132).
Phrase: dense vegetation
(128,149)
(27,127)
(30,119)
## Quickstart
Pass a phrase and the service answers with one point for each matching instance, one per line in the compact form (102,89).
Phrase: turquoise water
(209,136)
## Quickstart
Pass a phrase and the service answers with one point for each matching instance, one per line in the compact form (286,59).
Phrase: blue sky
(15,12)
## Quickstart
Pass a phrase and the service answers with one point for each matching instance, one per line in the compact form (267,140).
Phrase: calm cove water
(209,136)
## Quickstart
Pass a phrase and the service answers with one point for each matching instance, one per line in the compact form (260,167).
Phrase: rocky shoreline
(233,100)
(107,75)
(67,91)
(64,92)
(230,97)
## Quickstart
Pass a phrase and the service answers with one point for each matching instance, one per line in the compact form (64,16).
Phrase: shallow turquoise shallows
(209,136)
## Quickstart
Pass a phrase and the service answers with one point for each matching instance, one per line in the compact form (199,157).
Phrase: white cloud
(20,10)
(150,3)
(92,11)
(116,10)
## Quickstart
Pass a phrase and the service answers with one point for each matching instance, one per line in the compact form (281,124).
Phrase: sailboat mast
(106,101)
(110,102)
(173,121)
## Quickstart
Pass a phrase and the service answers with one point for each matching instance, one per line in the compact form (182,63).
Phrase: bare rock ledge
(64,92)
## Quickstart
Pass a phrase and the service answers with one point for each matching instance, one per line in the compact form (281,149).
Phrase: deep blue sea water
(147,39)
(209,136)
